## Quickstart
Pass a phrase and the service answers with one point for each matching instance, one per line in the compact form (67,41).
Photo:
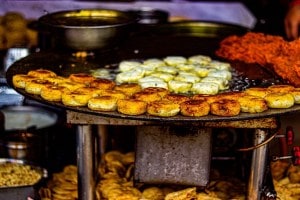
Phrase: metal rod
(275,158)
(102,136)
(85,162)
(258,166)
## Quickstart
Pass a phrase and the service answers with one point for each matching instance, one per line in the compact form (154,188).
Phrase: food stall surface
(85,120)
(85,143)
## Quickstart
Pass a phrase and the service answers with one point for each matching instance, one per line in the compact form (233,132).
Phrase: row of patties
(131,99)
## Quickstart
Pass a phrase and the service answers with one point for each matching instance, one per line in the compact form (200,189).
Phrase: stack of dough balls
(105,95)
(14,31)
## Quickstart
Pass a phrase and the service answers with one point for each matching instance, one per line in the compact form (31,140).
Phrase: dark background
(269,13)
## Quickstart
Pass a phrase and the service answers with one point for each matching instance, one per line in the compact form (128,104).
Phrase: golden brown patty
(103,103)
(280,100)
(131,106)
(161,91)
(252,104)
(57,79)
(89,90)
(296,95)
(231,95)
(163,108)
(82,78)
(71,85)
(113,93)
(213,98)
(225,108)
(53,92)
(41,73)
(258,92)
(35,86)
(176,98)
(75,98)
(194,108)
(201,97)
(20,80)
(103,84)
(217,97)
(128,88)
(147,96)
(281,88)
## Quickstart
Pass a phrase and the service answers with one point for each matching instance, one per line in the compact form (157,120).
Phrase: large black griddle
(185,39)
(182,38)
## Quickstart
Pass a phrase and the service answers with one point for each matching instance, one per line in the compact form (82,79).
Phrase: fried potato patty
(82,78)
(74,98)
(102,83)
(258,92)
(225,108)
(296,94)
(176,98)
(128,88)
(194,108)
(131,106)
(161,91)
(41,73)
(103,103)
(163,108)
(53,92)
(35,86)
(280,100)
(20,80)
(147,96)
(252,104)
(281,88)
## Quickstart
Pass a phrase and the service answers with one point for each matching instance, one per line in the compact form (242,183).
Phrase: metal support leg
(85,162)
(102,136)
(100,145)
(258,166)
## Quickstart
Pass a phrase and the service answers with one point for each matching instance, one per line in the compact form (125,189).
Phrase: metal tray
(63,65)
(184,38)
(22,192)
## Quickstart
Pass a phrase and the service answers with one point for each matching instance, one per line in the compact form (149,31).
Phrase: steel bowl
(25,132)
(150,16)
(88,29)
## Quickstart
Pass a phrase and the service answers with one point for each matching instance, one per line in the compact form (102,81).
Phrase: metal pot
(25,132)
(150,16)
(87,29)
(22,145)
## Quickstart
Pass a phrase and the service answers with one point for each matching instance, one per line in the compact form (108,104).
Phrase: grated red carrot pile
(264,49)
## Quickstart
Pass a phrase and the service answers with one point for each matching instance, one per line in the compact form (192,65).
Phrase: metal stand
(85,162)
(175,155)
(258,166)
(85,145)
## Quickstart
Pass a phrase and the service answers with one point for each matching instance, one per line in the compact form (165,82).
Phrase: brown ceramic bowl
(88,29)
